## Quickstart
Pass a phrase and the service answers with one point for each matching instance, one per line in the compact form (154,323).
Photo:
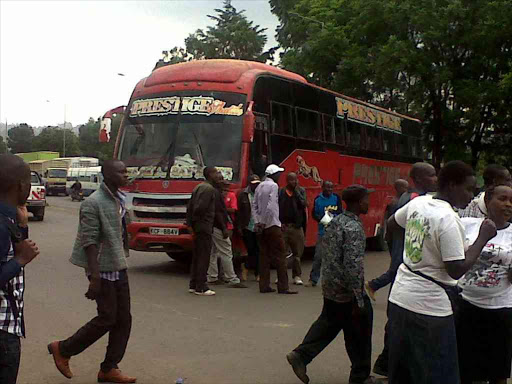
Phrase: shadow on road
(166,268)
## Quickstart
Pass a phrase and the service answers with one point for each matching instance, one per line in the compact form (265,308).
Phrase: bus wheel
(377,243)
(181,257)
(40,214)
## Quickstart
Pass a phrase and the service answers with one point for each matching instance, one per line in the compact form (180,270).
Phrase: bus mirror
(248,129)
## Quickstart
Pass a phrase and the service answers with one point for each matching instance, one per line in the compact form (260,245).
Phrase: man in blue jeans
(330,202)
(15,252)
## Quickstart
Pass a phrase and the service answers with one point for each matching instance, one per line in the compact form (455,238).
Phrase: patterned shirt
(476,208)
(344,244)
(250,226)
(11,319)
(12,277)
(114,276)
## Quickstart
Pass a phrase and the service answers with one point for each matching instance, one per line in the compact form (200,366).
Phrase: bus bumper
(141,239)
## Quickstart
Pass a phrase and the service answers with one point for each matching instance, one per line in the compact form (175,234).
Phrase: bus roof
(234,76)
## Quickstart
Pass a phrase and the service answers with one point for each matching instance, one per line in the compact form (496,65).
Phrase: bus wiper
(199,150)
(170,152)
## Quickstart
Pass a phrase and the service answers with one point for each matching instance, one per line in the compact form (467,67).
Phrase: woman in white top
(422,334)
(484,325)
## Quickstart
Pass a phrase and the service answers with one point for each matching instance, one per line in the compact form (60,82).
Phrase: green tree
(52,139)
(20,138)
(442,61)
(3,146)
(89,139)
(232,37)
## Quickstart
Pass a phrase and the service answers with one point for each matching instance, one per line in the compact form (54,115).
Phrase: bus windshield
(179,146)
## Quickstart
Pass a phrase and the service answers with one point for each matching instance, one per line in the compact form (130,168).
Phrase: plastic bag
(326,219)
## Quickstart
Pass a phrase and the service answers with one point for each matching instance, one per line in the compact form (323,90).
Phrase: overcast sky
(61,58)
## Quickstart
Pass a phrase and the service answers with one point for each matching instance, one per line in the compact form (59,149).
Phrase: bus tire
(377,243)
(40,214)
(181,257)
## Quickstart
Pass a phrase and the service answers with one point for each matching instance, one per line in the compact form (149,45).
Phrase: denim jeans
(314,276)
(10,353)
(357,329)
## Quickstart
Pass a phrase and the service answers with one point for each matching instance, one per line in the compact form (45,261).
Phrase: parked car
(36,201)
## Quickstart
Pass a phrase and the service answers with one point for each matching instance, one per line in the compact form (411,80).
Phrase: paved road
(238,336)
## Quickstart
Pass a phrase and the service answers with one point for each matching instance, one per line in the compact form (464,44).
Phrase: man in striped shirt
(15,252)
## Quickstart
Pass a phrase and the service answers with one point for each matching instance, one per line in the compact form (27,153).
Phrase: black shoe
(379,368)
(299,368)
(237,285)
(370,380)
(288,292)
(267,290)
(216,282)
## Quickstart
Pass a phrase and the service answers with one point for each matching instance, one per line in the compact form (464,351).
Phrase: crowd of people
(271,222)
(450,302)
(450,299)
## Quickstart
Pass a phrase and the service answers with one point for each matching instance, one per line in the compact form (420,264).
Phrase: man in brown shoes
(101,249)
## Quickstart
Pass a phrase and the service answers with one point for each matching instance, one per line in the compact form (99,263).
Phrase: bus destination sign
(367,115)
(197,105)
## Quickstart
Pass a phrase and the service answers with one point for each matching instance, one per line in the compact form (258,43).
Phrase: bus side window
(388,142)
(329,129)
(373,137)
(282,122)
(308,125)
(259,147)
(353,134)
(415,145)
(339,126)
(403,145)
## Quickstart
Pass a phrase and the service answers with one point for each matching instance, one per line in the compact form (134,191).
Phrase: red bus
(240,116)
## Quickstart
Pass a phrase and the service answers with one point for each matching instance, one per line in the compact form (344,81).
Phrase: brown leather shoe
(114,376)
(61,362)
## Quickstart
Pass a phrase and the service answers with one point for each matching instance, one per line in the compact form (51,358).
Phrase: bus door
(260,153)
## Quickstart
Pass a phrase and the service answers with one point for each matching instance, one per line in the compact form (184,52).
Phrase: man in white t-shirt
(423,346)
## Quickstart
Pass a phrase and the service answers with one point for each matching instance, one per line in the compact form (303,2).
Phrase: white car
(36,201)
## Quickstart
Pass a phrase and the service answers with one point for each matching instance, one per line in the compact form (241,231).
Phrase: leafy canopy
(447,62)
(232,37)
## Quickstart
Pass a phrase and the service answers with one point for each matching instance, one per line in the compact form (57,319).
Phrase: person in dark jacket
(345,304)
(424,178)
(16,251)
(201,216)
(245,226)
(292,214)
(330,202)
(401,186)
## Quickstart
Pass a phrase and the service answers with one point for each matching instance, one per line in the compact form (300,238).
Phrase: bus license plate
(164,231)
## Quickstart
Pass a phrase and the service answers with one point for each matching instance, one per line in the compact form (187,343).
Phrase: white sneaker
(297,281)
(275,282)
(205,293)
(190,290)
